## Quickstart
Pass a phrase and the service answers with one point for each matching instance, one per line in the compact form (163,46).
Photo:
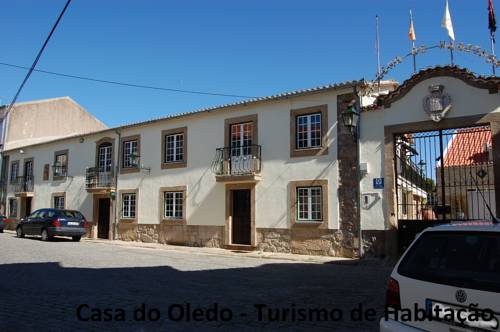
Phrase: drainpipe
(358,146)
(115,205)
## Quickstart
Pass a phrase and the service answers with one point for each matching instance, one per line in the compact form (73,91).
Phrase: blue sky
(244,47)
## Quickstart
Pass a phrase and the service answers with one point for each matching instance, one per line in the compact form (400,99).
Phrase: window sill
(305,223)
(128,220)
(174,164)
(309,152)
(173,221)
(127,170)
(59,177)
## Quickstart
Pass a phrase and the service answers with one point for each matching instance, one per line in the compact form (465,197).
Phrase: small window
(309,204)
(128,205)
(173,205)
(14,171)
(130,154)
(60,164)
(59,202)
(174,148)
(308,131)
(13,207)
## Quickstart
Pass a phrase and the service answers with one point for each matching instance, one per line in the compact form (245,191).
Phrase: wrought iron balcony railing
(98,178)
(60,170)
(23,184)
(241,160)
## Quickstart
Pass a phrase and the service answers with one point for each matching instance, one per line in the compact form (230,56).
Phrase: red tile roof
(467,147)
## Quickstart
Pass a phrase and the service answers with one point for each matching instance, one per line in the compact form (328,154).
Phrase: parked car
(53,222)
(447,280)
(2,223)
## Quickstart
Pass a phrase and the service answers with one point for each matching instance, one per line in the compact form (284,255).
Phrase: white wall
(206,198)
(466,101)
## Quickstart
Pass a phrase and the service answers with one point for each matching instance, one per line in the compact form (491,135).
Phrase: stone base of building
(324,242)
(304,241)
(187,235)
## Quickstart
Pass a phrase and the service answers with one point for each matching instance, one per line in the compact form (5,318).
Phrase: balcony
(97,180)
(23,186)
(237,164)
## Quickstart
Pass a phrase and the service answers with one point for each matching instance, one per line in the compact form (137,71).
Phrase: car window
(460,259)
(49,214)
(71,214)
(35,214)
(42,214)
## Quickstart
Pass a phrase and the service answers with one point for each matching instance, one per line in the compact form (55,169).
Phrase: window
(130,154)
(59,202)
(14,171)
(241,139)
(455,258)
(128,205)
(12,207)
(308,131)
(60,168)
(104,158)
(173,205)
(309,203)
(174,148)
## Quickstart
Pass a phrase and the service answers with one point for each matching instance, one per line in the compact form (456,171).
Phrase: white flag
(446,22)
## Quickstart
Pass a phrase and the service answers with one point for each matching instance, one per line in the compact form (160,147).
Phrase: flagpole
(414,56)
(493,63)
(377,36)
(451,51)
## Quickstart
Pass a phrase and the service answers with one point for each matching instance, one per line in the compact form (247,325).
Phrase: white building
(279,173)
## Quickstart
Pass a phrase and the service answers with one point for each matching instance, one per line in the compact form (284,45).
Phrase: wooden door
(103,218)
(241,217)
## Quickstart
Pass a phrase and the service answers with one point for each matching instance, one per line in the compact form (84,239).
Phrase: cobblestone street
(44,283)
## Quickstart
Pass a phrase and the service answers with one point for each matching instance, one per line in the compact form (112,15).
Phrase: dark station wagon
(53,222)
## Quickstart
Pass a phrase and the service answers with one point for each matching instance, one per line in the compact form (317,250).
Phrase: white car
(447,280)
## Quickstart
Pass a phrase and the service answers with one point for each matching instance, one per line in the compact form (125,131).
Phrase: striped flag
(411,32)
(446,22)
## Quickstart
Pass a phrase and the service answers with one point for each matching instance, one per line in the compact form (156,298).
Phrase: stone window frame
(13,180)
(10,215)
(98,143)
(173,164)
(56,154)
(53,199)
(120,195)
(323,183)
(170,221)
(123,140)
(253,118)
(317,151)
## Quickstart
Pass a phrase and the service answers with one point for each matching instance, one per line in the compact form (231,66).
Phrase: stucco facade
(351,211)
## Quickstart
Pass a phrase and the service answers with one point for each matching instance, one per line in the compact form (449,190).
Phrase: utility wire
(30,71)
(133,85)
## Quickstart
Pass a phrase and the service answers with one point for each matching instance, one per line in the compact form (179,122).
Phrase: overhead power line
(31,69)
(132,85)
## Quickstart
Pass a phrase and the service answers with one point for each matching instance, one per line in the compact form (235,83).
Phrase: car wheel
(19,232)
(45,235)
(1,230)
(76,238)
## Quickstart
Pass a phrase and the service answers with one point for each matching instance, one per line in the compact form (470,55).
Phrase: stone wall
(188,235)
(323,242)
(349,214)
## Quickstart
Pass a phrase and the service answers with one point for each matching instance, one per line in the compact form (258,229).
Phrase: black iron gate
(440,178)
